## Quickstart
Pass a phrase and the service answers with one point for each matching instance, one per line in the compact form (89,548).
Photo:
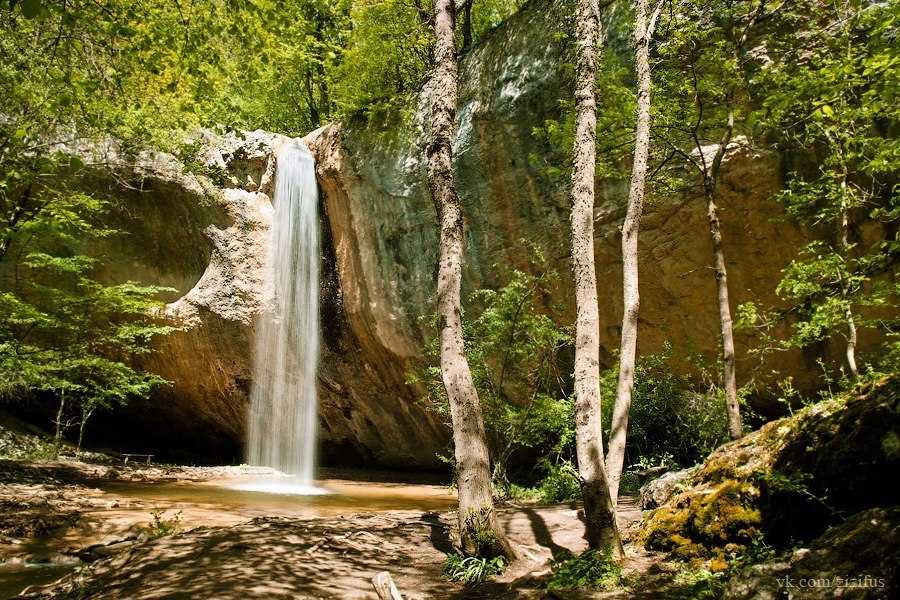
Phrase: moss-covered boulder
(789,480)
(858,559)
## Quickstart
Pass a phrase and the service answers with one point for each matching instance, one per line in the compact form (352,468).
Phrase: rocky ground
(107,545)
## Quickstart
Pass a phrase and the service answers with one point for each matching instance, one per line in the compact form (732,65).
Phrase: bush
(472,569)
(161,526)
(561,484)
(590,569)
(669,421)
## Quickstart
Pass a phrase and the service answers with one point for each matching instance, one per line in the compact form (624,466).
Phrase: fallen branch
(385,588)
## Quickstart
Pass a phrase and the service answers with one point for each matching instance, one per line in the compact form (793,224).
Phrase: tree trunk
(599,512)
(479,531)
(85,415)
(851,344)
(615,455)
(735,428)
(57,437)
(845,287)
(467,24)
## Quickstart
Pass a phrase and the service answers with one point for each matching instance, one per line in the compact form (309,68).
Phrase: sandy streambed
(56,517)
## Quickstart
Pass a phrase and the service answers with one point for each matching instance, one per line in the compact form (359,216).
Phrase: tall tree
(832,101)
(479,531)
(709,172)
(599,512)
(706,45)
(736,33)
(615,455)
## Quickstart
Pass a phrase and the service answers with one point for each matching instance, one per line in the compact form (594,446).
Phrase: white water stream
(281,432)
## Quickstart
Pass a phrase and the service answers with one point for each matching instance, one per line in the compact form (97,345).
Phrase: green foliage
(388,52)
(488,14)
(161,526)
(698,78)
(669,422)
(757,551)
(515,352)
(65,335)
(691,583)
(832,100)
(616,103)
(472,570)
(386,57)
(592,569)
(560,484)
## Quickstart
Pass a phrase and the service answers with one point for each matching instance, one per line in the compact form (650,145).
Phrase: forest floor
(223,554)
(93,524)
(335,557)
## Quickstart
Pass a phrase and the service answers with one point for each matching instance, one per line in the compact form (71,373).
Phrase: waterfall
(282,424)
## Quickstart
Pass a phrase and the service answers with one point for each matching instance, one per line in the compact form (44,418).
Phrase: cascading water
(282,423)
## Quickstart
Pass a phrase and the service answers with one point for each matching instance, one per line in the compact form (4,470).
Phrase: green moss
(890,445)
(701,521)
(787,481)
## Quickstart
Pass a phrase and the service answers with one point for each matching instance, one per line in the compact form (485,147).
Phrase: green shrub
(160,526)
(472,569)
(590,569)
(669,420)
(696,584)
(561,484)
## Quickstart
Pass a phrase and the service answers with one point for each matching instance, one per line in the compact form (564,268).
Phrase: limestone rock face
(514,192)
(206,236)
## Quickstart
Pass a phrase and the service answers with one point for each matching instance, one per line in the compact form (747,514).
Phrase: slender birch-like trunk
(599,512)
(615,454)
(845,287)
(735,427)
(57,436)
(479,530)
(726,325)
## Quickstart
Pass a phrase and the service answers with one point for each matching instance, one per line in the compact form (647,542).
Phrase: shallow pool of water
(345,497)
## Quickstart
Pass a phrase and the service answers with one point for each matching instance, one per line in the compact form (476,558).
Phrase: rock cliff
(206,236)
(204,231)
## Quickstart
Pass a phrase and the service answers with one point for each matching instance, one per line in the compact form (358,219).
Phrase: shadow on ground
(320,558)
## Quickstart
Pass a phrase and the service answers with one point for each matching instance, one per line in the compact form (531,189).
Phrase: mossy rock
(855,560)
(789,480)
(706,520)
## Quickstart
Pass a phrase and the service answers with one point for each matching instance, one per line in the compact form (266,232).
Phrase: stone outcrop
(789,480)
(855,560)
(514,190)
(205,233)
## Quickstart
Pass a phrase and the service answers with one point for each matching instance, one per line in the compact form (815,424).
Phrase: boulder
(656,491)
(855,560)
(789,480)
